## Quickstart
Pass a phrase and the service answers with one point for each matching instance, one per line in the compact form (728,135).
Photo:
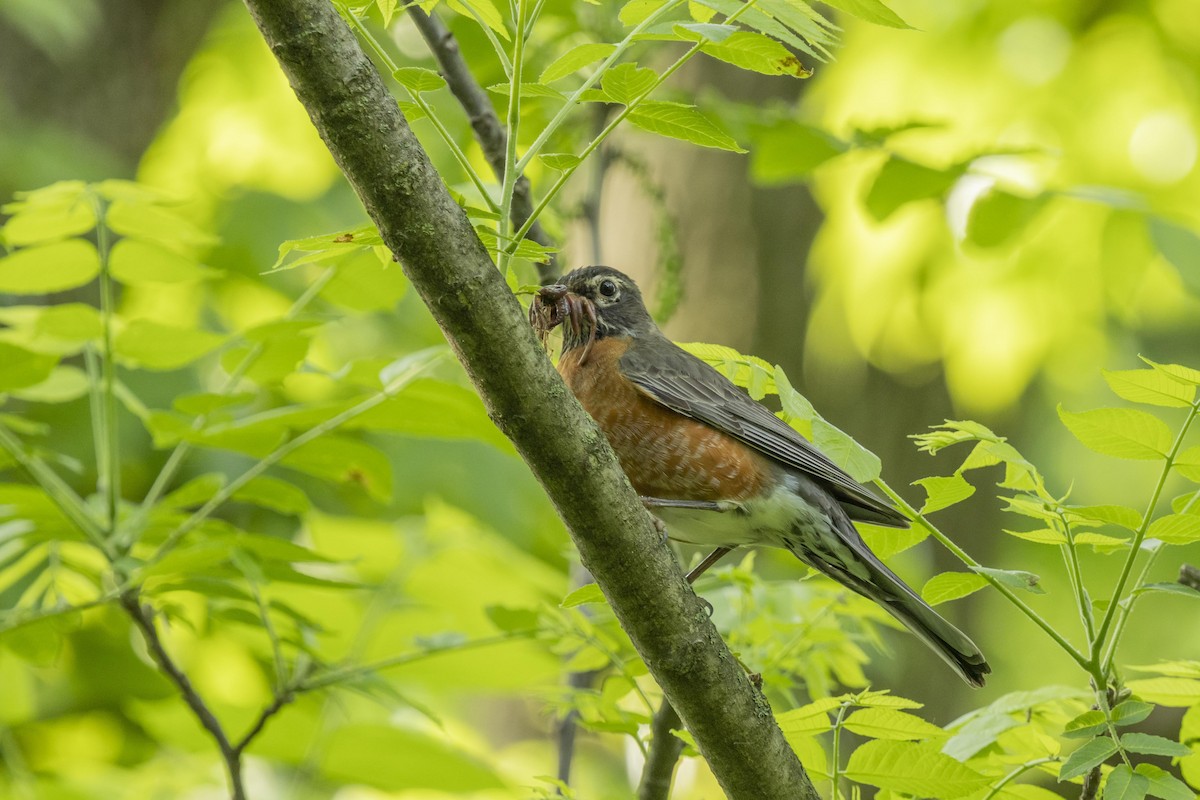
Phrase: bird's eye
(608,288)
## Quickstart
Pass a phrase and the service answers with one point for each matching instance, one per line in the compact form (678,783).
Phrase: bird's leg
(696,505)
(709,560)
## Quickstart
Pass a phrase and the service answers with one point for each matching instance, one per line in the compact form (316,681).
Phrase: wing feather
(685,384)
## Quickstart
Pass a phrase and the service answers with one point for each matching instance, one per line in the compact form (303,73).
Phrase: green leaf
(1150,386)
(575,59)
(163,347)
(1174,692)
(681,122)
(21,368)
(1169,588)
(1086,725)
(861,464)
(944,492)
(136,262)
(625,83)
(888,723)
(274,494)
(1123,516)
(419,79)
(364,282)
(282,345)
(1092,754)
(1017,579)
(344,460)
(883,698)
(788,151)
(560,162)
(951,586)
(72,322)
(1119,432)
(588,593)
(901,181)
(1040,536)
(753,51)
(1163,784)
(47,222)
(1131,712)
(1187,463)
(49,268)
(1124,784)
(1180,246)
(482,11)
(65,383)
(196,492)
(871,11)
(998,216)
(887,542)
(808,719)
(154,223)
(512,619)
(918,769)
(1176,372)
(636,11)
(1175,529)
(1149,745)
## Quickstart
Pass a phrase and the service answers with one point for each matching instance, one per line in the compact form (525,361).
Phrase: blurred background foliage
(972,217)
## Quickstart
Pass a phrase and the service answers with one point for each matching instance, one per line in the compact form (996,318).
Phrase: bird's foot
(661,527)
(708,607)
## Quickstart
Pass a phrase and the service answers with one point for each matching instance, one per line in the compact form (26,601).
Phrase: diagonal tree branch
(489,130)
(451,269)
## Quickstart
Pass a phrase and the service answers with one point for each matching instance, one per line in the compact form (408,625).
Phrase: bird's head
(591,303)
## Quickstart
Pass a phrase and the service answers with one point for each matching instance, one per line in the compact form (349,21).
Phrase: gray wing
(688,386)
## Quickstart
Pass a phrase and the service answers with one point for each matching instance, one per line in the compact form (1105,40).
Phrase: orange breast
(665,454)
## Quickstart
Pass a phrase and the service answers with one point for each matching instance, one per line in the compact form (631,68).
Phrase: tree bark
(439,251)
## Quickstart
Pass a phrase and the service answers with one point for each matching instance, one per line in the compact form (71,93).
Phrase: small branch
(665,750)
(1189,576)
(143,618)
(281,700)
(489,131)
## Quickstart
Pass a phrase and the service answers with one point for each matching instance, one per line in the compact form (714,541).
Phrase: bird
(716,467)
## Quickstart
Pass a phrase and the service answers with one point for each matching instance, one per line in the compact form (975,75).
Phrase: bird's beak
(553,293)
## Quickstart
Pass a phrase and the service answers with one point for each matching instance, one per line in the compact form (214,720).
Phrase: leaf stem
(962,556)
(344,674)
(513,121)
(423,361)
(63,496)
(416,97)
(835,772)
(998,787)
(1138,537)
(1075,575)
(109,472)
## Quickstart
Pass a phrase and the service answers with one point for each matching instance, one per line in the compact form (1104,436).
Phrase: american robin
(717,468)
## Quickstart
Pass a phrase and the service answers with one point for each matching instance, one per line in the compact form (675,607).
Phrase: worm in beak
(556,305)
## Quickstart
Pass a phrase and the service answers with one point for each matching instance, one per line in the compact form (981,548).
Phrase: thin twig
(489,131)
(281,700)
(143,617)
(664,753)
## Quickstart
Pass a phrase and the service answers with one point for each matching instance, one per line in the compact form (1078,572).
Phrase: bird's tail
(954,646)
(885,588)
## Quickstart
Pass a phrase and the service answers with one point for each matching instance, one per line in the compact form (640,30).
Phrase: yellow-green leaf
(944,492)
(684,122)
(889,723)
(1175,529)
(49,268)
(1119,432)
(1150,386)
(951,586)
(918,769)
(575,59)
(136,262)
(20,368)
(161,347)
(755,52)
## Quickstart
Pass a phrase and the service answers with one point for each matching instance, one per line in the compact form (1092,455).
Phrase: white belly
(764,521)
